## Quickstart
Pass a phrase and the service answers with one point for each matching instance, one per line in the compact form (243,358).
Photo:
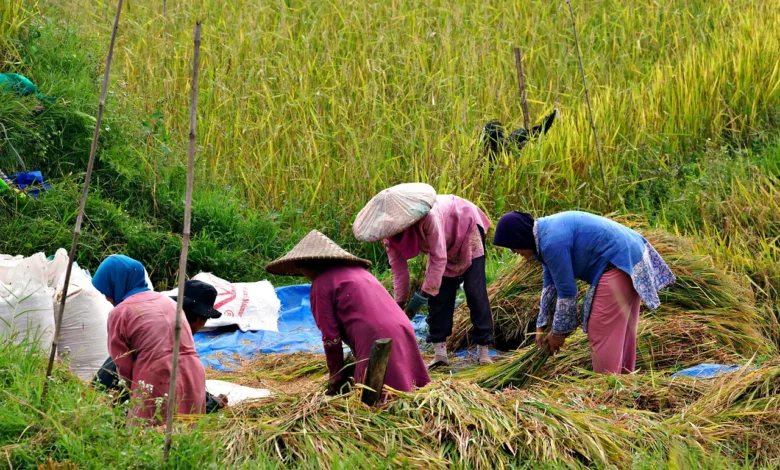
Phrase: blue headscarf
(120,277)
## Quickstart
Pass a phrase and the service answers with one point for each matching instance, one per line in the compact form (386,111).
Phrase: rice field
(318,105)
(308,108)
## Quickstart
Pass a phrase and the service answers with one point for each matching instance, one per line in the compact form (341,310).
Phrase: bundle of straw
(514,299)
(443,425)
(741,415)
(653,392)
(515,373)
(595,421)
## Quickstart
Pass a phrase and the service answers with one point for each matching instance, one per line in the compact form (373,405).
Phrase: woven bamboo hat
(314,246)
(393,210)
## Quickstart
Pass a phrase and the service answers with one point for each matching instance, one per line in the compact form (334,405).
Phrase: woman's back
(141,331)
(363,312)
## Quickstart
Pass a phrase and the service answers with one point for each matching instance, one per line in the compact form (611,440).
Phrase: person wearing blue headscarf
(120,277)
(140,342)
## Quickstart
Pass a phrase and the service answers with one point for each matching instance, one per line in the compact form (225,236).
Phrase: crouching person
(351,306)
(140,342)
(199,299)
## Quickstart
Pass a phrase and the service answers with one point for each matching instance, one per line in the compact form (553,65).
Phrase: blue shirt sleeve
(558,263)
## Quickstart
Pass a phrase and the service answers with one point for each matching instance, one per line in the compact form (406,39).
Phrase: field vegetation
(308,108)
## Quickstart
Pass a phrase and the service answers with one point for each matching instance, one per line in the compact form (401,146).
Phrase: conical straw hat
(393,210)
(314,246)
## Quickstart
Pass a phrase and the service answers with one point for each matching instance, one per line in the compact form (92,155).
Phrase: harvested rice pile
(281,373)
(596,421)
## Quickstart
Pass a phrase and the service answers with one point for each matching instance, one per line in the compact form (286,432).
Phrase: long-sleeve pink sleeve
(433,231)
(399,267)
(322,303)
(118,347)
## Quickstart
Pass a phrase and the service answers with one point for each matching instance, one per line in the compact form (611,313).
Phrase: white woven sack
(83,334)
(25,300)
(252,306)
(235,393)
(57,267)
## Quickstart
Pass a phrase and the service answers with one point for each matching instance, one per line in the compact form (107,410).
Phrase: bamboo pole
(590,110)
(376,370)
(83,203)
(521,83)
(185,245)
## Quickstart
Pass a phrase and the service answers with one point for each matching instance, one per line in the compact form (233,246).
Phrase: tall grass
(317,105)
(15,15)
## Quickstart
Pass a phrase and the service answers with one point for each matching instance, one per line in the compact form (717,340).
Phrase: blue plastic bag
(706,371)
(31,182)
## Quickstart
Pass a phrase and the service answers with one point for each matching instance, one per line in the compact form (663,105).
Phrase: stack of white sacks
(31,292)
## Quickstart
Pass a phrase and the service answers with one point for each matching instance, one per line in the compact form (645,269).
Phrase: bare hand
(554,342)
(222,400)
(539,339)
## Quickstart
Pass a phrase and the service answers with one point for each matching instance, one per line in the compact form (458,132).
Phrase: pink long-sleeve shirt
(448,234)
(140,341)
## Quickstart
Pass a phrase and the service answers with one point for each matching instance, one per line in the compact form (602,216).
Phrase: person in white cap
(350,306)
(411,219)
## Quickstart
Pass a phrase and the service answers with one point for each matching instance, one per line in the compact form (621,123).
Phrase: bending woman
(621,267)
(140,341)
(350,306)
(452,234)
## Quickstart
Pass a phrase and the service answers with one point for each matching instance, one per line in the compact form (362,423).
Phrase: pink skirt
(613,324)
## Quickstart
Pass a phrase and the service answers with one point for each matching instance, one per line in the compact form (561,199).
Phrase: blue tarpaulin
(297,333)
(706,371)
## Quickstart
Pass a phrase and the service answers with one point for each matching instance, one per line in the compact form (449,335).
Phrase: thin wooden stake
(185,245)
(590,110)
(521,83)
(376,370)
(83,203)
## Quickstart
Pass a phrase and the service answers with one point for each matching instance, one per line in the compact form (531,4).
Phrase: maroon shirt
(351,306)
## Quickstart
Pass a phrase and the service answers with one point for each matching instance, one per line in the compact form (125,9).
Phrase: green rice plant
(15,16)
(316,106)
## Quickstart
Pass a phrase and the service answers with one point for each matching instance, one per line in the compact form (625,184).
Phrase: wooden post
(83,203)
(376,370)
(521,82)
(590,110)
(185,245)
